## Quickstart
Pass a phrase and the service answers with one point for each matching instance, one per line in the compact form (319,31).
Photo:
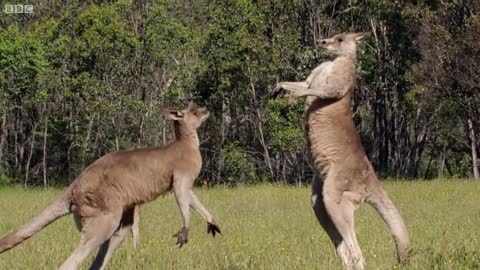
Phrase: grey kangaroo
(104,197)
(344,177)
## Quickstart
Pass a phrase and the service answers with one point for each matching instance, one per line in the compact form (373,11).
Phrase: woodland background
(79,79)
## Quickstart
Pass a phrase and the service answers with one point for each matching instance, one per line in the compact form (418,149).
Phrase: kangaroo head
(343,44)
(188,120)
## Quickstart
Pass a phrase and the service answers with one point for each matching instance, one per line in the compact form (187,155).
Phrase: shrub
(238,168)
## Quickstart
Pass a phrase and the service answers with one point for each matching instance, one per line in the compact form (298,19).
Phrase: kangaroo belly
(333,140)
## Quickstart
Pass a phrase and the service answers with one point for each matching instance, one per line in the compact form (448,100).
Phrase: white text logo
(19,9)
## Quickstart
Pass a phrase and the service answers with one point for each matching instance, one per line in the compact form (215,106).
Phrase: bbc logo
(19,9)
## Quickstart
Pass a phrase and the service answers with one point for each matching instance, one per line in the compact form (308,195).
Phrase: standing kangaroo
(344,178)
(104,196)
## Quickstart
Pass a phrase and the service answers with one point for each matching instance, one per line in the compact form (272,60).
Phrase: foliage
(238,168)
(285,124)
(22,67)
(5,180)
(78,80)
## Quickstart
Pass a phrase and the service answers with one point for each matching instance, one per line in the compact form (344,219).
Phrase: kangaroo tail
(389,213)
(57,209)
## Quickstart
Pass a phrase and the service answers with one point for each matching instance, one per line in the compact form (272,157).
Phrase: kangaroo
(103,198)
(344,177)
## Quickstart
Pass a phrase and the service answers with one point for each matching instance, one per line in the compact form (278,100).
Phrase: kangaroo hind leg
(321,212)
(135,226)
(95,231)
(335,212)
(110,246)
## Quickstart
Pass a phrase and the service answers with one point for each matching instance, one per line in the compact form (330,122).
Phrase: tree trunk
(441,166)
(87,140)
(30,154)
(225,125)
(262,142)
(473,140)
(164,132)
(44,159)
(141,133)
(260,130)
(117,144)
(429,164)
(3,136)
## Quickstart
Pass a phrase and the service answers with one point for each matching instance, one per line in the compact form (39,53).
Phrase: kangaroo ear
(360,35)
(172,114)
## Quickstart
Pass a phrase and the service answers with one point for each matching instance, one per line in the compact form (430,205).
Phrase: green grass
(264,227)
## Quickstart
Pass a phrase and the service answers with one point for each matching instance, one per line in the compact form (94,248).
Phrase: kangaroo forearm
(293,86)
(323,92)
(182,196)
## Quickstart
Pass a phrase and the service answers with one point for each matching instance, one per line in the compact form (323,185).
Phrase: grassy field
(264,227)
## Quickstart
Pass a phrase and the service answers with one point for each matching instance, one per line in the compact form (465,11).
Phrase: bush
(238,168)
(6,180)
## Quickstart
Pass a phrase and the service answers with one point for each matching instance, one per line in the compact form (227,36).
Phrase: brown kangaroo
(104,196)
(344,177)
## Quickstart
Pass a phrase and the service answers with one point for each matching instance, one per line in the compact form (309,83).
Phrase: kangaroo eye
(340,39)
